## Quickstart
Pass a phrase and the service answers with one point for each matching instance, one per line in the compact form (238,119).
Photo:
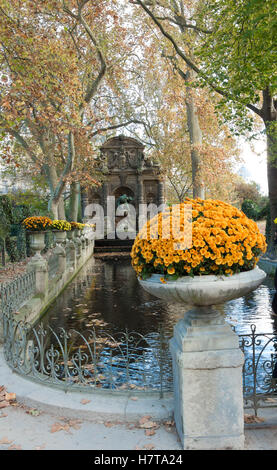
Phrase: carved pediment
(123,153)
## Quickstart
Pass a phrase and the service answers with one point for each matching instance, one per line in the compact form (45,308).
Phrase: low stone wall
(50,275)
(268,266)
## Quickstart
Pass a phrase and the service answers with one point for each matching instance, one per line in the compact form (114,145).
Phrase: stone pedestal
(40,266)
(60,252)
(207,370)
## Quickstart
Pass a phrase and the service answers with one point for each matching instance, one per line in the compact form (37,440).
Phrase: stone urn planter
(37,242)
(204,290)
(207,361)
(59,236)
(207,253)
(70,234)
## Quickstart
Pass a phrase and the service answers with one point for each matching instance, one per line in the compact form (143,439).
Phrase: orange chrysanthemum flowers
(197,237)
(36,224)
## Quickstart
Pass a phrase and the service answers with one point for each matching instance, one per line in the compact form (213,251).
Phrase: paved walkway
(35,417)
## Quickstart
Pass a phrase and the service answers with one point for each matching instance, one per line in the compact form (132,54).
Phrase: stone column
(161,192)
(84,200)
(140,191)
(104,197)
(207,370)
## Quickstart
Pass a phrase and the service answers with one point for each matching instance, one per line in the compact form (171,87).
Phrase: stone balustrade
(51,273)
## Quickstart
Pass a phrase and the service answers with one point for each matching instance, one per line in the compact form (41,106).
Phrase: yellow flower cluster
(45,223)
(61,225)
(37,223)
(77,226)
(197,237)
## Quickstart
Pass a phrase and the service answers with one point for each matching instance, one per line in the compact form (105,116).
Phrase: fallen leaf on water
(134,398)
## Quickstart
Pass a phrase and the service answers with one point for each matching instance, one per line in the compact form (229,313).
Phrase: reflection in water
(107,296)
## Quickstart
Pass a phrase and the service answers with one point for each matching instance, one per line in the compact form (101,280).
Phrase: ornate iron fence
(72,360)
(260,369)
(126,361)
(16,292)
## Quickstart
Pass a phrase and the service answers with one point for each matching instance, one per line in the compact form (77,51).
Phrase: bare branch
(117,126)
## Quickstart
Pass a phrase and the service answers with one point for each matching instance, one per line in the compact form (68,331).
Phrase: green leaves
(240,53)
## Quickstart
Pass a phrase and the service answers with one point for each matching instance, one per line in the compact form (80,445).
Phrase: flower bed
(215,238)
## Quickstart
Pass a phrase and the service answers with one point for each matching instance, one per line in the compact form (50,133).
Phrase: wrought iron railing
(126,361)
(16,292)
(72,360)
(260,369)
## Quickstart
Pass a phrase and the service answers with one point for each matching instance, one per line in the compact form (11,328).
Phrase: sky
(254,162)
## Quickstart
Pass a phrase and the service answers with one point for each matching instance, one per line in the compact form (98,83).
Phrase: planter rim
(60,231)
(31,232)
(203,278)
(204,290)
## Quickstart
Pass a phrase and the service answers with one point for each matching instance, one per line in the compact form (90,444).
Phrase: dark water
(107,296)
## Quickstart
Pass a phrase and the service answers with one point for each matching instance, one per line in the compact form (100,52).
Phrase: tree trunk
(61,210)
(272,185)
(53,209)
(74,201)
(269,116)
(56,206)
(4,252)
(195,134)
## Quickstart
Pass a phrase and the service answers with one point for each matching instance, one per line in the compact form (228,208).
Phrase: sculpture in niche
(124,199)
(128,173)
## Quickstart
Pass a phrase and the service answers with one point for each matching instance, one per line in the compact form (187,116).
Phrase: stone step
(112,249)
(115,243)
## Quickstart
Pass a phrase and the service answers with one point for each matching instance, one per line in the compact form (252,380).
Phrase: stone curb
(99,405)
